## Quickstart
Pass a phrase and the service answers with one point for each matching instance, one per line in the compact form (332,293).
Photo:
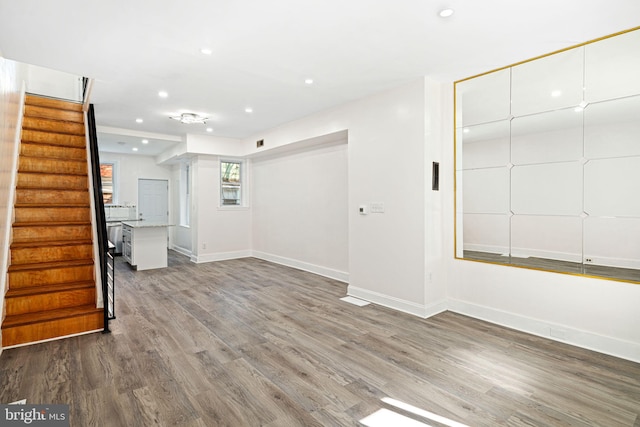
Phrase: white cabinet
(144,247)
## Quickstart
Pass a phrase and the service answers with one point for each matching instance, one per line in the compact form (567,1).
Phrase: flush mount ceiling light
(445,13)
(190,118)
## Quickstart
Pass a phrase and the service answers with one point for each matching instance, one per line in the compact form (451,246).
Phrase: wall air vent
(259,143)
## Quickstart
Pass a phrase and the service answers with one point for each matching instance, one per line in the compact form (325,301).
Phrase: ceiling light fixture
(308,81)
(163,94)
(445,13)
(135,148)
(206,51)
(139,120)
(190,118)
(209,129)
(145,141)
(556,93)
(248,110)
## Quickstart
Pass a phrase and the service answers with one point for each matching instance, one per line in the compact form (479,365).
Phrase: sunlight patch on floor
(385,417)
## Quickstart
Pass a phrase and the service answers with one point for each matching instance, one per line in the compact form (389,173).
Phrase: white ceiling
(264,50)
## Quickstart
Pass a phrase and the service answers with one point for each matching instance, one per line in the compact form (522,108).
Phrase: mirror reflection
(548,162)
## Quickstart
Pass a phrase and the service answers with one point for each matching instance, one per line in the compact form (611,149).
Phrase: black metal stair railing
(107,264)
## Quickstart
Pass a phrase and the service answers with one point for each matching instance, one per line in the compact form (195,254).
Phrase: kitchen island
(144,244)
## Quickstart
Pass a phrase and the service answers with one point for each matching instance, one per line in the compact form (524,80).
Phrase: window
(230,183)
(107,175)
(185,194)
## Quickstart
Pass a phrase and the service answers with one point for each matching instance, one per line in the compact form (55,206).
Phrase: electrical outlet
(588,260)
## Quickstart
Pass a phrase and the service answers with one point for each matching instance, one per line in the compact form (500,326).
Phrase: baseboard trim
(219,256)
(394,303)
(341,276)
(181,250)
(576,337)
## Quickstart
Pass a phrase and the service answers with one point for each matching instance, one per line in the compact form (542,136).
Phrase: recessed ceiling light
(308,81)
(445,13)
(248,110)
(209,129)
(163,94)
(578,109)
(556,93)
(145,141)
(465,130)
(206,51)
(135,148)
(139,120)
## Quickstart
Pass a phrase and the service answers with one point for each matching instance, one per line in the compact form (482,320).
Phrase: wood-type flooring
(250,343)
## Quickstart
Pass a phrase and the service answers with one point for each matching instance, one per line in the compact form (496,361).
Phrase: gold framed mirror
(547,161)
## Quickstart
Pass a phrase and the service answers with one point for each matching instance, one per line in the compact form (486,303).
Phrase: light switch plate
(377,208)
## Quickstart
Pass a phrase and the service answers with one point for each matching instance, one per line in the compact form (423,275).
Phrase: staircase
(51,279)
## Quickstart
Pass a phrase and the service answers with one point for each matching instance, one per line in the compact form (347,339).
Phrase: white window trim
(115,173)
(185,193)
(243,185)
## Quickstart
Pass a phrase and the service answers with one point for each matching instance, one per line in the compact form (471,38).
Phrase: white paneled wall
(11,83)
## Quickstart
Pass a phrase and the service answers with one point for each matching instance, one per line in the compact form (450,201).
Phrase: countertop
(145,224)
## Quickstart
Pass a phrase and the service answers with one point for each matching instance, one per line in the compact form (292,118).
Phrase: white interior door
(153,200)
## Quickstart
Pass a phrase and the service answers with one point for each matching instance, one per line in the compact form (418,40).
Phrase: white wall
(11,105)
(217,232)
(299,210)
(57,84)
(386,160)
(180,234)
(130,169)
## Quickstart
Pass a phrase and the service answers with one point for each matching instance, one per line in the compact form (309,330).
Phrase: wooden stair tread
(50,125)
(34,136)
(44,101)
(40,243)
(76,190)
(66,159)
(44,112)
(52,205)
(50,223)
(50,265)
(56,174)
(48,315)
(46,289)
